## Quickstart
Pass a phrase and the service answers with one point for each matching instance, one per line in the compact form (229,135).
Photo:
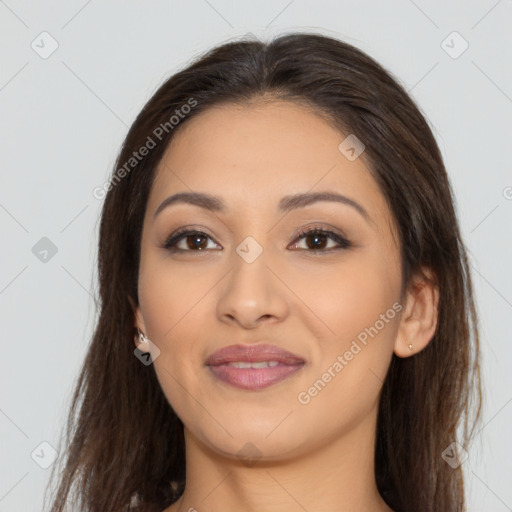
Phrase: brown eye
(318,239)
(188,241)
(196,242)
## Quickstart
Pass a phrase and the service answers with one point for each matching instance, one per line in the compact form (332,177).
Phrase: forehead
(253,155)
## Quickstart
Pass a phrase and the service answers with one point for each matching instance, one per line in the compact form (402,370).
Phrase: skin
(314,456)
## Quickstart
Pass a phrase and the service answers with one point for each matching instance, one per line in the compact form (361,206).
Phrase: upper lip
(252,354)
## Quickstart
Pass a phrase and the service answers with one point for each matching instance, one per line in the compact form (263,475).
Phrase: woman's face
(250,279)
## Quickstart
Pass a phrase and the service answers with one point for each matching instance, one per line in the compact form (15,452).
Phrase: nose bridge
(251,291)
(250,275)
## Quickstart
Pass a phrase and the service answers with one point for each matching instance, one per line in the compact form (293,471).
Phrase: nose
(252,295)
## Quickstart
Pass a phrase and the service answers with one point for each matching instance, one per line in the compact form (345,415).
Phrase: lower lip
(254,378)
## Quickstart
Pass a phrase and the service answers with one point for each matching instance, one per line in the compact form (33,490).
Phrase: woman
(286,317)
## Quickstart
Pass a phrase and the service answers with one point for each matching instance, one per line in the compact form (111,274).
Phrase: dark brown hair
(124,439)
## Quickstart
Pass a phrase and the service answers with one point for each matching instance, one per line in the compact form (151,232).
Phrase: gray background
(64,117)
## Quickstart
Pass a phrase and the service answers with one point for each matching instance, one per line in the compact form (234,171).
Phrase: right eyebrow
(207,201)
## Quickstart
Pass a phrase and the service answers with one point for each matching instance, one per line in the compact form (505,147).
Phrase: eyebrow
(286,204)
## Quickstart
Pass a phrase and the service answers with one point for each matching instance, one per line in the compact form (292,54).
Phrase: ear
(419,317)
(138,323)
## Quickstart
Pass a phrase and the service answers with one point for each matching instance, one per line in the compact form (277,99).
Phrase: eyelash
(344,243)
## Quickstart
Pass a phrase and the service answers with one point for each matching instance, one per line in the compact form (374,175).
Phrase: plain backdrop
(73,77)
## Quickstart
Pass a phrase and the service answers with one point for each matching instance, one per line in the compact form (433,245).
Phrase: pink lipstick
(253,367)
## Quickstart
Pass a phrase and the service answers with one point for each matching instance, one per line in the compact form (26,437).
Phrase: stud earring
(410,347)
(142,337)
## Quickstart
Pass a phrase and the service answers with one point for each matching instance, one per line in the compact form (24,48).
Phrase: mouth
(253,367)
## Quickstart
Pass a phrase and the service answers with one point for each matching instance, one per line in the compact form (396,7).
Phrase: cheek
(176,365)
(356,302)
(169,298)
(352,363)
(174,305)
(345,299)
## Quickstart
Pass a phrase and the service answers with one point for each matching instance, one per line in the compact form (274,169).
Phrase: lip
(253,378)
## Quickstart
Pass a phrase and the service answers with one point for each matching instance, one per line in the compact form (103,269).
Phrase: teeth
(261,364)
(240,365)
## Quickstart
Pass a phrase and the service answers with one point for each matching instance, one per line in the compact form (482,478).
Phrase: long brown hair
(123,439)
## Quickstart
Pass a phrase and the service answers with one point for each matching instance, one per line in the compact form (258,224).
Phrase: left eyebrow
(286,204)
(292,202)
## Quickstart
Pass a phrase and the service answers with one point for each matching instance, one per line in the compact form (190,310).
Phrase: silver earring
(410,347)
(142,336)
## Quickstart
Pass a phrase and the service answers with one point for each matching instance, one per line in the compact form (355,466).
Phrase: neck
(336,476)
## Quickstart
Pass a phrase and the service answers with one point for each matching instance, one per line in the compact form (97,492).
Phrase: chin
(250,443)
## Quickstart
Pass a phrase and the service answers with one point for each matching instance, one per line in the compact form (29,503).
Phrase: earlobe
(138,323)
(419,317)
